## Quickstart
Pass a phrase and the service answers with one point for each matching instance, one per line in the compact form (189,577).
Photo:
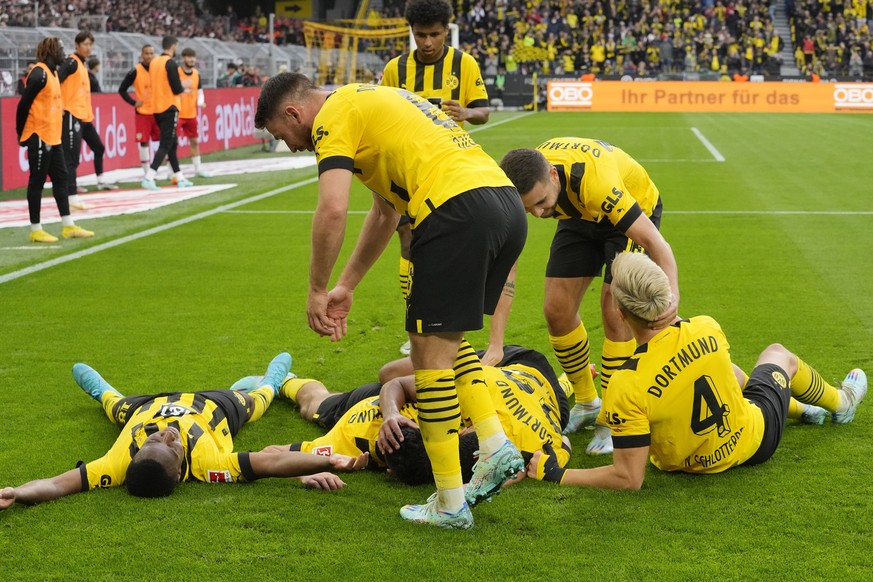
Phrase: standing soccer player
(468,230)
(146,127)
(76,94)
(38,124)
(605,203)
(166,90)
(191,101)
(450,79)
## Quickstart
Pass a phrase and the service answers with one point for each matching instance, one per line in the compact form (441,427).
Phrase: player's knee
(558,314)
(779,355)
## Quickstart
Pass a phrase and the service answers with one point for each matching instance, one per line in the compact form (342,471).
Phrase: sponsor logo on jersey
(218,477)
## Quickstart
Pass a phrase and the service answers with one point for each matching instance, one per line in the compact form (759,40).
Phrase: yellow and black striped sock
(573,353)
(808,386)
(475,400)
(108,401)
(404,277)
(261,400)
(291,386)
(439,418)
(613,356)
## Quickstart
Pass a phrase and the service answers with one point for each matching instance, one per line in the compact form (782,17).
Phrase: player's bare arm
(42,489)
(328,232)
(296,464)
(392,397)
(473,115)
(494,354)
(627,471)
(644,233)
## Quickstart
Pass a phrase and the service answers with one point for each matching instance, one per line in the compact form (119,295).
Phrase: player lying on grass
(172,437)
(678,399)
(381,419)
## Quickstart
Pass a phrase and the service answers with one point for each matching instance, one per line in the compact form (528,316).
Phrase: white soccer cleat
(582,415)
(601,444)
(431,514)
(406,348)
(855,389)
(814,415)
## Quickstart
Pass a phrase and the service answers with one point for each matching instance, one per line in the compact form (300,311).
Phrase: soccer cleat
(491,472)
(249,383)
(149,184)
(583,415)
(203,174)
(79,206)
(855,389)
(430,514)
(814,415)
(277,370)
(184,183)
(41,236)
(91,382)
(76,232)
(406,348)
(106,185)
(601,444)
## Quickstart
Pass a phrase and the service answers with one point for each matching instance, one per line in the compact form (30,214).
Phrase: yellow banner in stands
(294,8)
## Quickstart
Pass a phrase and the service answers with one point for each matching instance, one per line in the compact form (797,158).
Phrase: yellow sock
(291,386)
(475,400)
(404,277)
(808,386)
(573,353)
(613,356)
(439,417)
(108,401)
(795,408)
(261,400)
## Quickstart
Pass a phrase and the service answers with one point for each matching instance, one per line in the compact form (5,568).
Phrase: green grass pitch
(775,243)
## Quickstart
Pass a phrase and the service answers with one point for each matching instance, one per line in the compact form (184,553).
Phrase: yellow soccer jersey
(678,394)
(599,180)
(355,432)
(401,147)
(205,435)
(527,409)
(455,76)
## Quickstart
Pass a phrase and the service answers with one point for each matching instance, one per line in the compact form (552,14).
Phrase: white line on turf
(501,122)
(31,248)
(148,232)
(715,153)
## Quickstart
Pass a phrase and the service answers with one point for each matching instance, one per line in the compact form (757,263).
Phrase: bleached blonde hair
(640,286)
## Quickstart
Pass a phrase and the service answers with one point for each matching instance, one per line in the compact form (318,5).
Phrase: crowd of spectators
(599,37)
(180,18)
(832,37)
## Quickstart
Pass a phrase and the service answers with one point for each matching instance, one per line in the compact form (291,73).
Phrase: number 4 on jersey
(708,411)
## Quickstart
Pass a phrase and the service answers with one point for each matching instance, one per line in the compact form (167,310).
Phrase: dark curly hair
(149,478)
(426,12)
(411,464)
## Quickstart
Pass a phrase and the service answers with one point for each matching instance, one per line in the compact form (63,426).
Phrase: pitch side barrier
(702,96)
(226,122)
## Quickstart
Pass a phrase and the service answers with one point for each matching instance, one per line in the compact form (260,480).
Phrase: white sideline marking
(676,161)
(30,248)
(715,153)
(136,236)
(223,208)
(501,122)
